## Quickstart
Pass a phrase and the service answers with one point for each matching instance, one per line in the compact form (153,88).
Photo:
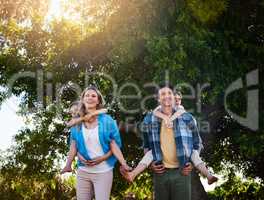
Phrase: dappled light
(211,51)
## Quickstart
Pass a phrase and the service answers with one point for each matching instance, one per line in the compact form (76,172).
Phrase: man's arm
(197,141)
(144,127)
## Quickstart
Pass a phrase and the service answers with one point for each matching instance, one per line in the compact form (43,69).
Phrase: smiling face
(90,99)
(166,97)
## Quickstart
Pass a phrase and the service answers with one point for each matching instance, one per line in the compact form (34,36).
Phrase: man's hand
(125,172)
(157,168)
(187,169)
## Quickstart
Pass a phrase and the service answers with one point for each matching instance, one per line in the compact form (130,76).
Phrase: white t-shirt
(94,149)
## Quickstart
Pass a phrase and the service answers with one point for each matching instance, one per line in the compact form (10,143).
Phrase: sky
(10,121)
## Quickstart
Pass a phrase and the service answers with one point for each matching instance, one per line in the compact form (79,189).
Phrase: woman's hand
(95,161)
(127,173)
(99,159)
(92,162)
(126,167)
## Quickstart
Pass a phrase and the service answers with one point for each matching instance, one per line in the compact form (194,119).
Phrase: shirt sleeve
(197,141)
(144,129)
(147,159)
(72,133)
(114,133)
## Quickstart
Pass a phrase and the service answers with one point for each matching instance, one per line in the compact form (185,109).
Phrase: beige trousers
(90,184)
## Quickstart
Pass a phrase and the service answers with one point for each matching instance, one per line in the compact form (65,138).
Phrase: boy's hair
(163,85)
(177,92)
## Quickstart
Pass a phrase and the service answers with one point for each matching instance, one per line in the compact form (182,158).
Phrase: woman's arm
(119,155)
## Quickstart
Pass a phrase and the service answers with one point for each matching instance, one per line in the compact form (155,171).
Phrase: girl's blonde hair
(77,104)
(100,105)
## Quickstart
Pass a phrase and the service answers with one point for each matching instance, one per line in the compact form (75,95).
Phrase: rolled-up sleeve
(144,129)
(197,141)
(114,133)
(72,134)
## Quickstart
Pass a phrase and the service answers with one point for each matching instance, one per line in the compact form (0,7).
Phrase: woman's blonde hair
(100,105)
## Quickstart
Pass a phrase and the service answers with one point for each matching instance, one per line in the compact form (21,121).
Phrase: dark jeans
(171,185)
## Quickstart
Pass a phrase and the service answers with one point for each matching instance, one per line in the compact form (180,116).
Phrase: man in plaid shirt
(171,148)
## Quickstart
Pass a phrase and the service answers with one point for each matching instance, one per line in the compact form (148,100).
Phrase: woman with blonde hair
(92,139)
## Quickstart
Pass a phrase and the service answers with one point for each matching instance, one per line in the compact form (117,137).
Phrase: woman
(93,138)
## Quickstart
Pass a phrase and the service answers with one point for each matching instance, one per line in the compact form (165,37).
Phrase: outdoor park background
(50,50)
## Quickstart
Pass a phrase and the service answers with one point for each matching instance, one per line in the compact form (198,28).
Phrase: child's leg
(70,157)
(119,155)
(177,114)
(205,172)
(200,165)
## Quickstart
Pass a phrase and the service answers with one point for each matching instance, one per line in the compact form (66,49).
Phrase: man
(171,149)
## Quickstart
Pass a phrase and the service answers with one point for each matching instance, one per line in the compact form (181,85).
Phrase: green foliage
(141,188)
(196,42)
(24,188)
(207,11)
(237,189)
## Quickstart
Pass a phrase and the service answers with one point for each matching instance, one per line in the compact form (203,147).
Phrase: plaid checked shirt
(186,133)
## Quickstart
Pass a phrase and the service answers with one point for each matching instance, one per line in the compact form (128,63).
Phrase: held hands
(126,167)
(126,172)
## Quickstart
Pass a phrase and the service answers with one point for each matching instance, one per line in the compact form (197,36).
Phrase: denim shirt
(186,135)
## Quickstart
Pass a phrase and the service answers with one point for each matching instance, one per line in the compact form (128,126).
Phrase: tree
(214,42)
